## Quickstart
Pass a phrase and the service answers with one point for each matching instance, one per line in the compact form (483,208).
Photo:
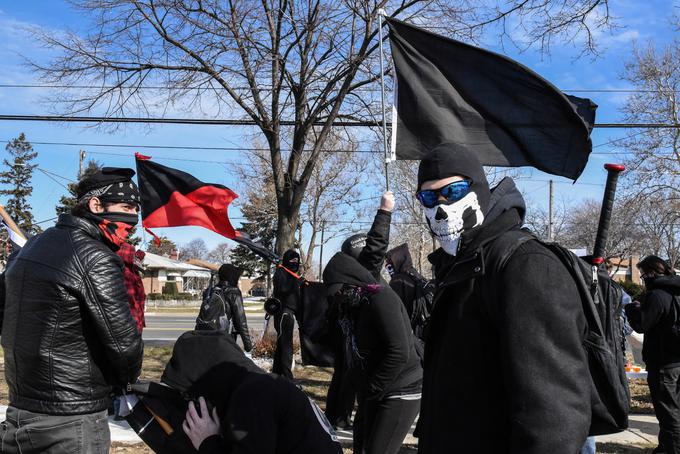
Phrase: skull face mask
(447,222)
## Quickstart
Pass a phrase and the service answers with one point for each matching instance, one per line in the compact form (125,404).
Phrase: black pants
(381,426)
(664,387)
(341,393)
(284,322)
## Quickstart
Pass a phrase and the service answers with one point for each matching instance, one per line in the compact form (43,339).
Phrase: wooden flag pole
(381,13)
(10,222)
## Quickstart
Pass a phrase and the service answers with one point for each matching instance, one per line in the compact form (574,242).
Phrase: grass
(315,381)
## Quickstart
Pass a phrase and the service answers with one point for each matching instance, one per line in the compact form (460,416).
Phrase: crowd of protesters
(489,357)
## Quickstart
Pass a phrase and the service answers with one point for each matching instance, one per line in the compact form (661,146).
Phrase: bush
(164,297)
(170,288)
(633,289)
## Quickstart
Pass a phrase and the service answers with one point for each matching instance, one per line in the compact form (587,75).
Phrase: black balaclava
(291,260)
(354,244)
(448,220)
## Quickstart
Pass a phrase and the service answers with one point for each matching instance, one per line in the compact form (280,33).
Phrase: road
(164,328)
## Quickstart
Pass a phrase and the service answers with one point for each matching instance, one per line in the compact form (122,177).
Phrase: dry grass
(640,400)
(615,448)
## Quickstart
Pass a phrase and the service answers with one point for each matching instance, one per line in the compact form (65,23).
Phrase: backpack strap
(504,246)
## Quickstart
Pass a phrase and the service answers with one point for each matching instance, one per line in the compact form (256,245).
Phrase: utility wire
(268,88)
(193,147)
(238,122)
(52,178)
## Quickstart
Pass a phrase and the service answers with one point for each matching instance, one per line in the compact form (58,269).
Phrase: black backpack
(601,301)
(422,304)
(215,313)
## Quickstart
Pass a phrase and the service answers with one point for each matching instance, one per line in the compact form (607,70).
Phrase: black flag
(449,91)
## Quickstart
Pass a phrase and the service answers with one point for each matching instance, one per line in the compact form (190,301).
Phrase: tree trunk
(285,233)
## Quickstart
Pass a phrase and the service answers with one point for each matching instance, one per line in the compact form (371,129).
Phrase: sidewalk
(643,430)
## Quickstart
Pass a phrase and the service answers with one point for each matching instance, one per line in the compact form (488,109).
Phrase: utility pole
(551,233)
(323,228)
(82,161)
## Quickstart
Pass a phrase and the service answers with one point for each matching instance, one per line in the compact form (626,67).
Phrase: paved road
(166,328)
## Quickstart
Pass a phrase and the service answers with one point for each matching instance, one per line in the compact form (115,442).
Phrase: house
(621,269)
(187,277)
(192,276)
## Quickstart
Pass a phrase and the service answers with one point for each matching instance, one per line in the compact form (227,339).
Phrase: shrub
(170,288)
(633,289)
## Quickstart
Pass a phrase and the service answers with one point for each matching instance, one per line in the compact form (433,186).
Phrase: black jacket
(403,281)
(67,334)
(259,413)
(383,334)
(287,289)
(654,317)
(372,256)
(505,368)
(229,301)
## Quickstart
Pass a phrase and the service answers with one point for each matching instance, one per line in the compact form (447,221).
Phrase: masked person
(67,334)
(369,250)
(286,290)
(656,316)
(504,357)
(223,307)
(379,350)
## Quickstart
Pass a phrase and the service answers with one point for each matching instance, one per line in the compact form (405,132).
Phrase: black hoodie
(654,317)
(404,279)
(383,334)
(259,413)
(505,367)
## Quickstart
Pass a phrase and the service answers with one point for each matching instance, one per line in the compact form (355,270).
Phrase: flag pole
(10,222)
(381,13)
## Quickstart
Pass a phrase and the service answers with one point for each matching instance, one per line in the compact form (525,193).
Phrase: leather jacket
(67,334)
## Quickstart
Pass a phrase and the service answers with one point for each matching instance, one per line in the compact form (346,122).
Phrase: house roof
(154,261)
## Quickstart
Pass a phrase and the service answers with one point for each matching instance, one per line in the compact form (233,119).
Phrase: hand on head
(387,201)
(198,428)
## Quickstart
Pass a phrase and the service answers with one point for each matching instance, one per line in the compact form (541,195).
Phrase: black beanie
(449,159)
(354,244)
(110,185)
(291,260)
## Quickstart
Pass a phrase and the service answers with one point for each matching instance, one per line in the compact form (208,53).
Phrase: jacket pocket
(63,438)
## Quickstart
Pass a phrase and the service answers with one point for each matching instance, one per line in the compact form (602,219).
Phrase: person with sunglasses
(504,368)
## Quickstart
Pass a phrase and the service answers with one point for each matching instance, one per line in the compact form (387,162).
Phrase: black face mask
(130,219)
(649,281)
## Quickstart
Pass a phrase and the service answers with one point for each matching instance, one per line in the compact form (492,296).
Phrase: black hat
(110,184)
(354,244)
(291,260)
(229,273)
(450,159)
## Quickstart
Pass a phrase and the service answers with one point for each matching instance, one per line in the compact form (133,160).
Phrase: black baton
(613,171)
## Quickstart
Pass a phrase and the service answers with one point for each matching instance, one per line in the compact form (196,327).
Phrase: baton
(613,171)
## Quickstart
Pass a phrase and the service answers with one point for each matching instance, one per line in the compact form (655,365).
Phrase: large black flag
(449,91)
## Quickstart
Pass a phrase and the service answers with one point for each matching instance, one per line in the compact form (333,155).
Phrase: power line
(237,122)
(268,88)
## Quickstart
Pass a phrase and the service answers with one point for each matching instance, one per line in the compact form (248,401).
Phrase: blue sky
(641,21)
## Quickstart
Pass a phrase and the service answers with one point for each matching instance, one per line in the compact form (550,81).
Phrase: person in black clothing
(254,412)
(380,354)
(369,249)
(286,290)
(227,298)
(504,359)
(403,276)
(654,315)
(68,335)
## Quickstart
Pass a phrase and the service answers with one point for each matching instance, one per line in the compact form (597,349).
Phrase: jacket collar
(469,263)
(76,222)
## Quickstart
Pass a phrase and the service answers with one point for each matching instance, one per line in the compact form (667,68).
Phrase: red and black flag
(449,91)
(172,198)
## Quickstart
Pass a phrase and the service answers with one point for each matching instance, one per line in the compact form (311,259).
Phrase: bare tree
(220,253)
(194,249)
(655,165)
(626,234)
(311,62)
(659,218)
